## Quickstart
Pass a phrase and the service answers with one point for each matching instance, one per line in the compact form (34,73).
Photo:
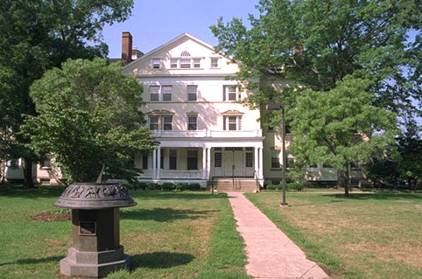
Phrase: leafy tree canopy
(35,36)
(88,115)
(340,126)
(318,43)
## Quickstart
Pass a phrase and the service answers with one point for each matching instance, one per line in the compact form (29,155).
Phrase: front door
(233,162)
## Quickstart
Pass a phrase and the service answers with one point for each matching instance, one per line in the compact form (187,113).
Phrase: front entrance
(233,162)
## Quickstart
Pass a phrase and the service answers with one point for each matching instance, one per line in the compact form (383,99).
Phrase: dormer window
(156,63)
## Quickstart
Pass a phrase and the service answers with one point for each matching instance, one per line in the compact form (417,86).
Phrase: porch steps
(236,185)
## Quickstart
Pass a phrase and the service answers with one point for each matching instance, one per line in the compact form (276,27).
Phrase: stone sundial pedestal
(96,249)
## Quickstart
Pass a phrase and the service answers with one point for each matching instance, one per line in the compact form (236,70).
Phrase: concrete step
(238,185)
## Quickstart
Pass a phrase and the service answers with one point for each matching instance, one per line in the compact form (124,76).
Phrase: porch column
(256,162)
(204,163)
(158,162)
(209,163)
(261,164)
(154,163)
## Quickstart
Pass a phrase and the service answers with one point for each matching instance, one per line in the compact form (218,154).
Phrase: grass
(370,235)
(167,235)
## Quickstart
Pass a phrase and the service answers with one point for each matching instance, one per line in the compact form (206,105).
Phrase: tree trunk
(28,181)
(343,181)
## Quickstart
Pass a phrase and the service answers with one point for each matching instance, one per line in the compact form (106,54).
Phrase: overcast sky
(155,22)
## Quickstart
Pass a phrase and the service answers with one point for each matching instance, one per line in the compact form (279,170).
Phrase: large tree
(38,35)
(88,116)
(315,45)
(340,127)
(318,43)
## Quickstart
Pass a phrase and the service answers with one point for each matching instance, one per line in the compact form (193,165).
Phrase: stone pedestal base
(93,264)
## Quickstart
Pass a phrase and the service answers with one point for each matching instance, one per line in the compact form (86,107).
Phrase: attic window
(185,53)
(156,63)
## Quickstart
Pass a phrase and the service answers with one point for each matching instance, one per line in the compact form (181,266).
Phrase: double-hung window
(197,63)
(156,63)
(167,122)
(232,123)
(231,93)
(154,122)
(214,62)
(174,63)
(192,92)
(185,63)
(154,93)
(192,122)
(166,91)
(275,159)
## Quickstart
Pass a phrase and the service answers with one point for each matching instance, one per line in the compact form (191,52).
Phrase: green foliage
(35,36)
(318,43)
(88,116)
(340,126)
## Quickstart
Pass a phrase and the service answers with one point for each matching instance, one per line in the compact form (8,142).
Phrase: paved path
(270,253)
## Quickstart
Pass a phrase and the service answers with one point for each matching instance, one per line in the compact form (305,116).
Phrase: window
(144,161)
(192,122)
(197,62)
(173,159)
(156,63)
(154,93)
(46,164)
(192,92)
(290,162)
(249,159)
(192,162)
(154,122)
(218,159)
(13,163)
(173,63)
(214,62)
(167,91)
(167,122)
(275,159)
(231,123)
(185,63)
(231,93)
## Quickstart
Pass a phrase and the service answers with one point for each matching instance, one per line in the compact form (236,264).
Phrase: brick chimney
(126,47)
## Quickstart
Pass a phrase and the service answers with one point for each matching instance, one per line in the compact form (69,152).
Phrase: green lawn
(167,235)
(370,235)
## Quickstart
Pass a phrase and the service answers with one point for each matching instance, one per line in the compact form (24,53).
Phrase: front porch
(200,164)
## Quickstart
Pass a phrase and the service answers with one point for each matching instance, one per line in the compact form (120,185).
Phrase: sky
(154,22)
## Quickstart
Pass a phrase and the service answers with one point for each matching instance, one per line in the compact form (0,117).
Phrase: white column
(158,162)
(261,164)
(204,162)
(256,163)
(154,163)
(208,163)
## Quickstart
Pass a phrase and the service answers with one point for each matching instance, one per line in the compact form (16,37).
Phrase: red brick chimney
(126,47)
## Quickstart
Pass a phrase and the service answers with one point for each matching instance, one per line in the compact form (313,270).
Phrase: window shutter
(224,123)
(224,92)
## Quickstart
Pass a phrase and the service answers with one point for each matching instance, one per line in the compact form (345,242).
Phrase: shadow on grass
(161,195)
(17,190)
(376,196)
(160,260)
(164,214)
(34,260)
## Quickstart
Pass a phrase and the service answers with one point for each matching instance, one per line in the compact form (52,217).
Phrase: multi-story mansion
(195,108)
(195,111)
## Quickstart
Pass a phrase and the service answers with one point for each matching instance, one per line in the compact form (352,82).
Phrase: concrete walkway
(270,253)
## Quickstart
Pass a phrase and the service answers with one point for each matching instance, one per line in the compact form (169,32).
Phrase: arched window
(185,53)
